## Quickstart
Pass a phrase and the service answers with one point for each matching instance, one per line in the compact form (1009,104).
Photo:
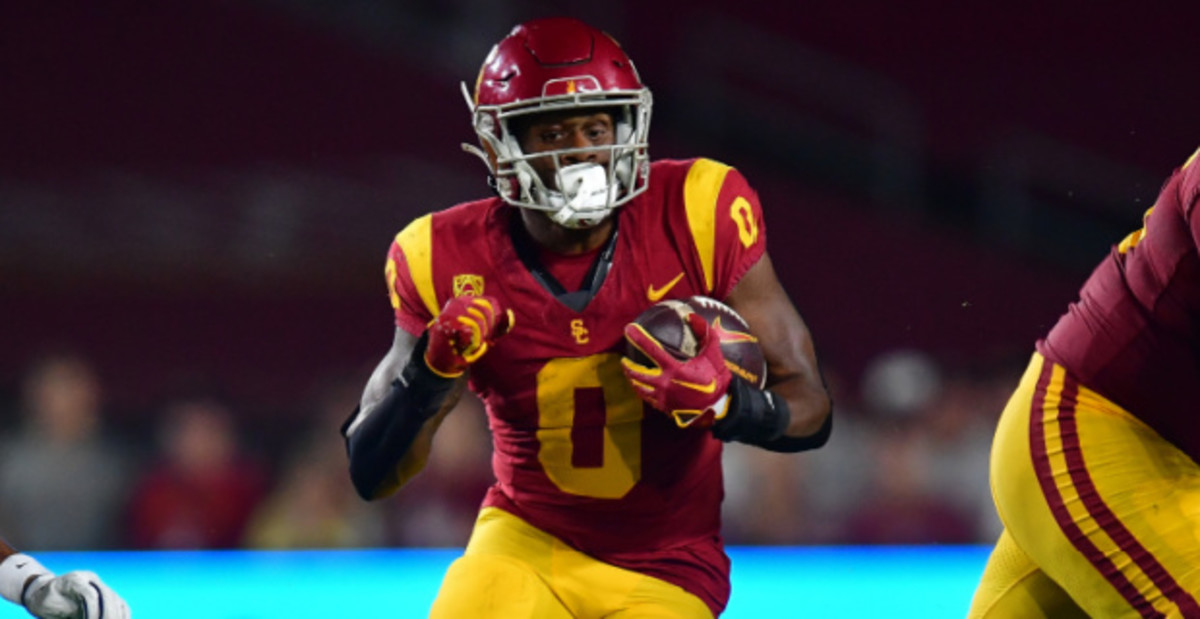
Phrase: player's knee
(490,585)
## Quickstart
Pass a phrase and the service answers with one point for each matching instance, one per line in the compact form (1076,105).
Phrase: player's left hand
(74,595)
(463,331)
(687,390)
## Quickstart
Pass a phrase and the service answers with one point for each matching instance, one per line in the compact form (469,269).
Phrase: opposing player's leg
(1013,587)
(1098,501)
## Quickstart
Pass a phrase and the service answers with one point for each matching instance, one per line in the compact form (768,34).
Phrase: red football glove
(462,332)
(685,389)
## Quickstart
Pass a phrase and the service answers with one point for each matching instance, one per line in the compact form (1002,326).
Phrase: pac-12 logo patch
(469,285)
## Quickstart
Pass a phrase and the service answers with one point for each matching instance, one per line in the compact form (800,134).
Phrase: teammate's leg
(1097,500)
(1013,587)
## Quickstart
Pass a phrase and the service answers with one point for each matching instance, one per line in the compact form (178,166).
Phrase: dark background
(200,194)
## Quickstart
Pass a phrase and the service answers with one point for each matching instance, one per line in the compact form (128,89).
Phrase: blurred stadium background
(196,198)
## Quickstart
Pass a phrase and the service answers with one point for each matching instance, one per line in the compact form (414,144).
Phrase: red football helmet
(551,65)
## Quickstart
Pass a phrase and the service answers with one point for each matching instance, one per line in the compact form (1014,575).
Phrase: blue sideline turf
(807,582)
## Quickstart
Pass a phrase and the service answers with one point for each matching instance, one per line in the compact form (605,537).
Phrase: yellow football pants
(1101,514)
(511,569)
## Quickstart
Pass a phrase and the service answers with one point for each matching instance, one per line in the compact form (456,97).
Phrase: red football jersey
(1134,333)
(576,453)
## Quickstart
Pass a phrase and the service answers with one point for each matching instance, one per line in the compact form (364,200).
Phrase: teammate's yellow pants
(1101,514)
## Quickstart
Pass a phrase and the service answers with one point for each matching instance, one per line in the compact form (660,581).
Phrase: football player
(1093,464)
(74,595)
(603,505)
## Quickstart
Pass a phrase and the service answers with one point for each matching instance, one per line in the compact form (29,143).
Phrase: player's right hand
(74,595)
(461,334)
(690,391)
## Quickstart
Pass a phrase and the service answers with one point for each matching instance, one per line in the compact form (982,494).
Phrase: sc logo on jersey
(579,332)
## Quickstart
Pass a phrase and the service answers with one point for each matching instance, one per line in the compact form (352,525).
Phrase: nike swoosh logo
(732,336)
(656,294)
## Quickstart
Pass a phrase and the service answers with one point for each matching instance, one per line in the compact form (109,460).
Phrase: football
(666,321)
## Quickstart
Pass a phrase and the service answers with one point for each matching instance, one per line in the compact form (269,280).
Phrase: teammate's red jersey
(576,453)
(1134,334)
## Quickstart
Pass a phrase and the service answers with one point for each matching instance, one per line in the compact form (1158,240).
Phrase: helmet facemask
(584,193)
